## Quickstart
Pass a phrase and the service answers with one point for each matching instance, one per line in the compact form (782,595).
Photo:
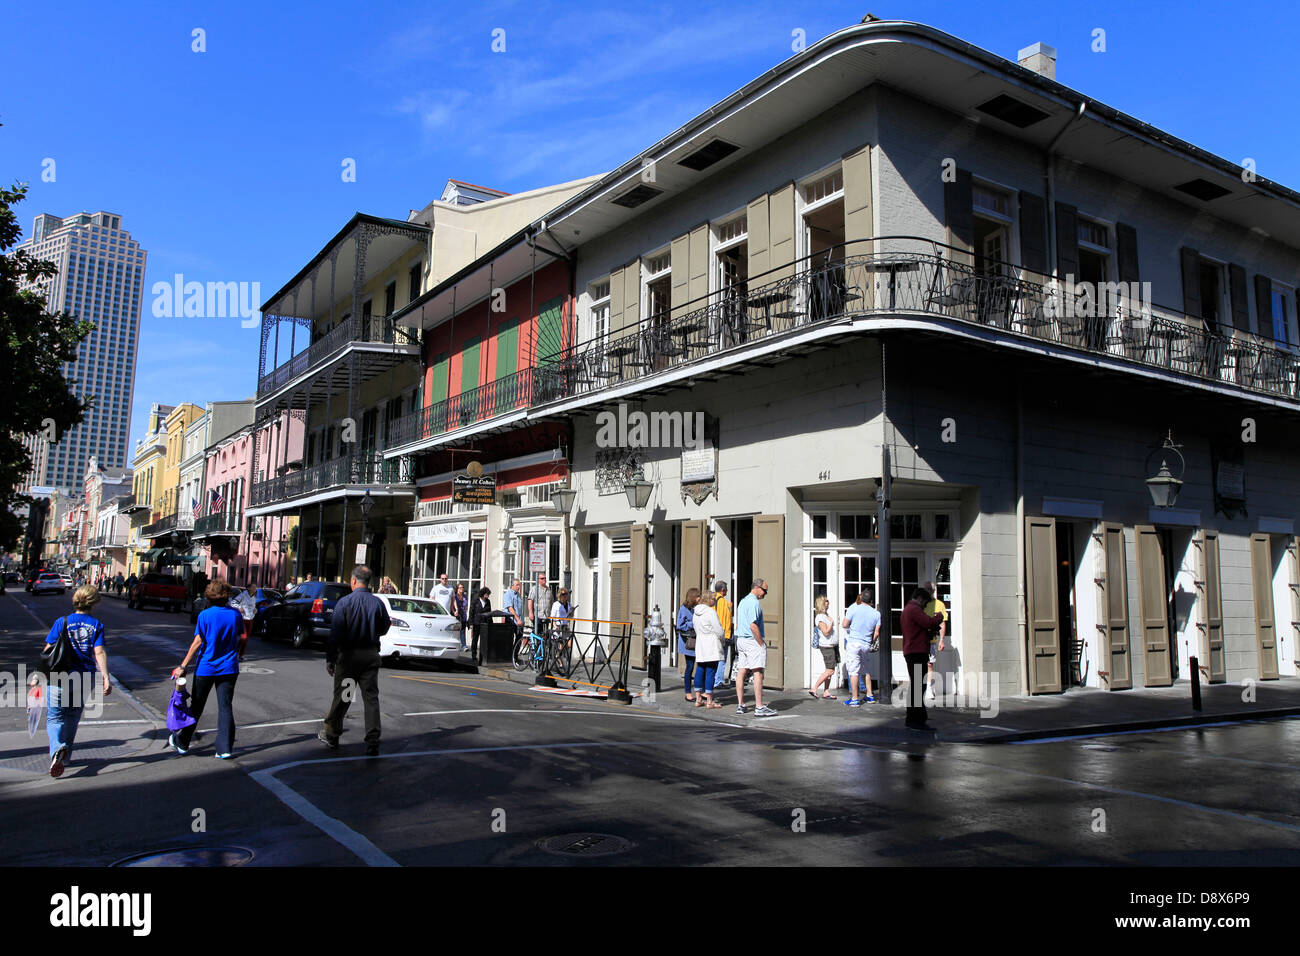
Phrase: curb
(1103,730)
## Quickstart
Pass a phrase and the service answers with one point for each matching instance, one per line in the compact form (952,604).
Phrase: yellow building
(147,483)
(174,425)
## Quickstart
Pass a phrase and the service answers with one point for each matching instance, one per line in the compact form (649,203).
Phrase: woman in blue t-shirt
(219,642)
(68,693)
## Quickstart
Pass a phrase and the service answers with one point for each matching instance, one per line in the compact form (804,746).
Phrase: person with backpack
(73,650)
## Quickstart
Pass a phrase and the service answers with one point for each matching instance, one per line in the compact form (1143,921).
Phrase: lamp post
(366,504)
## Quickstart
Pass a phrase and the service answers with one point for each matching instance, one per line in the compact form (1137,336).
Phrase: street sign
(537,556)
(361,554)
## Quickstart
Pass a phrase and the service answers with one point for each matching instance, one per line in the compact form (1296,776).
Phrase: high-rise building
(101,279)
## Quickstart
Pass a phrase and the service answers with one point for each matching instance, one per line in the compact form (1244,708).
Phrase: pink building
(249,552)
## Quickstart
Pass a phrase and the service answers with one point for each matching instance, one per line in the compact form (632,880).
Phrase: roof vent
(1040,58)
(635,197)
(708,154)
(1009,110)
(1202,189)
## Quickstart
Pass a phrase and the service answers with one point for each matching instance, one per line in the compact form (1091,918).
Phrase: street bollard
(1196,684)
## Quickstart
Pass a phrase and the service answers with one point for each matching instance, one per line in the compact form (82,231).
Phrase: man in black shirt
(352,659)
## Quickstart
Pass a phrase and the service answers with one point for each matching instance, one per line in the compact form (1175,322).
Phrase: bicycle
(532,650)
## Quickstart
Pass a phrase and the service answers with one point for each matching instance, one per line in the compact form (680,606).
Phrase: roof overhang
(933,66)
(509,262)
(387,239)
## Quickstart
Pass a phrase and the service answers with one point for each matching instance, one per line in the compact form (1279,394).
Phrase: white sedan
(421,630)
(51,582)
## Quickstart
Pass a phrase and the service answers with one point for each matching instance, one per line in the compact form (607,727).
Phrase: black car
(303,613)
(265,597)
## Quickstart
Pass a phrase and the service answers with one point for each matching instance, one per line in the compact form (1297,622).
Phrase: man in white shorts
(862,621)
(751,651)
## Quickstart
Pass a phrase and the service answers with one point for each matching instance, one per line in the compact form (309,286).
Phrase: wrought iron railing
(160,527)
(109,541)
(363,469)
(496,398)
(371,329)
(822,290)
(218,524)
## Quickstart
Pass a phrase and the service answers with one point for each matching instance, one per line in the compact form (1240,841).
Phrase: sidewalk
(1077,712)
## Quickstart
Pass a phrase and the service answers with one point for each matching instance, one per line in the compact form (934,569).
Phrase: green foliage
(36,343)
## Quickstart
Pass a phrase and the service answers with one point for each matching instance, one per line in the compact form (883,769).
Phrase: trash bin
(497,644)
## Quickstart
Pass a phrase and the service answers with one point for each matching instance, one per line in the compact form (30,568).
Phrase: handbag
(688,635)
(61,658)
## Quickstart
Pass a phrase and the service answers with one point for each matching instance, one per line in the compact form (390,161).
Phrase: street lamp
(1164,485)
(366,504)
(563,498)
(638,492)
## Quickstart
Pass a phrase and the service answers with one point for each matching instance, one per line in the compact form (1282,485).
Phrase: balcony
(109,541)
(361,332)
(368,469)
(218,524)
(1008,300)
(164,525)
(513,393)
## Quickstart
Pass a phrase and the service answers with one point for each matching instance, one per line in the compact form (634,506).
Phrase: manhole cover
(191,856)
(255,670)
(585,844)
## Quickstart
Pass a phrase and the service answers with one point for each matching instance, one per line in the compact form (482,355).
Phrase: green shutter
(508,348)
(438,383)
(469,366)
(550,336)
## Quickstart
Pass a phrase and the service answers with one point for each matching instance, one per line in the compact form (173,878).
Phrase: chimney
(1040,58)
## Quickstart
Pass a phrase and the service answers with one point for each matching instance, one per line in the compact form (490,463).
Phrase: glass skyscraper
(100,278)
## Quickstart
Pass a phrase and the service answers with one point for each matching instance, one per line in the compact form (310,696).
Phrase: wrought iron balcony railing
(355,329)
(219,523)
(349,470)
(818,291)
(498,397)
(162,526)
(109,541)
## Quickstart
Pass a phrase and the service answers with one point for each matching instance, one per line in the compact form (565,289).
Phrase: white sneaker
(929,696)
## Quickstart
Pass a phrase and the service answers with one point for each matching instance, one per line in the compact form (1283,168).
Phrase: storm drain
(585,844)
(191,856)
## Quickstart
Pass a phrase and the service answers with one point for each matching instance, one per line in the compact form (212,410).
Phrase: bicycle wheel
(522,657)
(561,663)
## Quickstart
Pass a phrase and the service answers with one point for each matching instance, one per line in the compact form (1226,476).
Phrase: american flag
(194,507)
(216,503)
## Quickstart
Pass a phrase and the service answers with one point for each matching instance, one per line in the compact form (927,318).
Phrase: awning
(151,554)
(189,559)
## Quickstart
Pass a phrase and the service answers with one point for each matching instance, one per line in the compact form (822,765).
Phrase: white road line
(102,723)
(532,713)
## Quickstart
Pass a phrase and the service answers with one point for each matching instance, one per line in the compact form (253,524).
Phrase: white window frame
(648,277)
(597,304)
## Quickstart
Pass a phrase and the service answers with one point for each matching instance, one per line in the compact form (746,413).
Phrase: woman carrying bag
(708,649)
(686,636)
(219,641)
(73,650)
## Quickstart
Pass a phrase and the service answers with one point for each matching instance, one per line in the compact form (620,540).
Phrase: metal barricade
(588,653)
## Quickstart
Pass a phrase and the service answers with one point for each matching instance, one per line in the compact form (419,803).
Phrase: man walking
(751,651)
(862,621)
(723,608)
(916,652)
(352,654)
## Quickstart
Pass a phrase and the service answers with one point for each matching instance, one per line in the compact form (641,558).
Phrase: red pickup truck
(165,590)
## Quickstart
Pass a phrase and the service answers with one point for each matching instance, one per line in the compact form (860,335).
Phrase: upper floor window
(826,188)
(1284,331)
(992,221)
(413,290)
(658,281)
(599,292)
(1094,253)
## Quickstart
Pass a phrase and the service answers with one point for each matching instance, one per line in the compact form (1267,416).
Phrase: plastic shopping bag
(35,707)
(178,710)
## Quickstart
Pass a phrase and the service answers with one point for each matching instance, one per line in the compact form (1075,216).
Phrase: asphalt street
(480,771)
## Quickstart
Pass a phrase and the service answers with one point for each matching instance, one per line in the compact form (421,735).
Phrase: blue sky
(226,164)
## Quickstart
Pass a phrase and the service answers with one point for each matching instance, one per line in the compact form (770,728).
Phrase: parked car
(68,582)
(303,613)
(33,574)
(165,590)
(421,630)
(13,577)
(48,582)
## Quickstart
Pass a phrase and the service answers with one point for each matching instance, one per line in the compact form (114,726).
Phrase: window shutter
(769,564)
(1043,615)
(1190,261)
(1126,242)
(756,219)
(469,366)
(1115,607)
(1152,606)
(1240,302)
(615,302)
(679,256)
(1212,607)
(1264,305)
(1067,241)
(698,286)
(781,226)
(858,220)
(1261,574)
(636,595)
(632,296)
(1033,233)
(959,216)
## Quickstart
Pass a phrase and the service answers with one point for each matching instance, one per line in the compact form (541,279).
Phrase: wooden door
(636,595)
(1042,610)
(1115,608)
(1212,614)
(1153,607)
(1261,575)
(769,564)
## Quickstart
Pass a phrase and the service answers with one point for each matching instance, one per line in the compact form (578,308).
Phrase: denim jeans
(224,685)
(689,676)
(61,721)
(704,672)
